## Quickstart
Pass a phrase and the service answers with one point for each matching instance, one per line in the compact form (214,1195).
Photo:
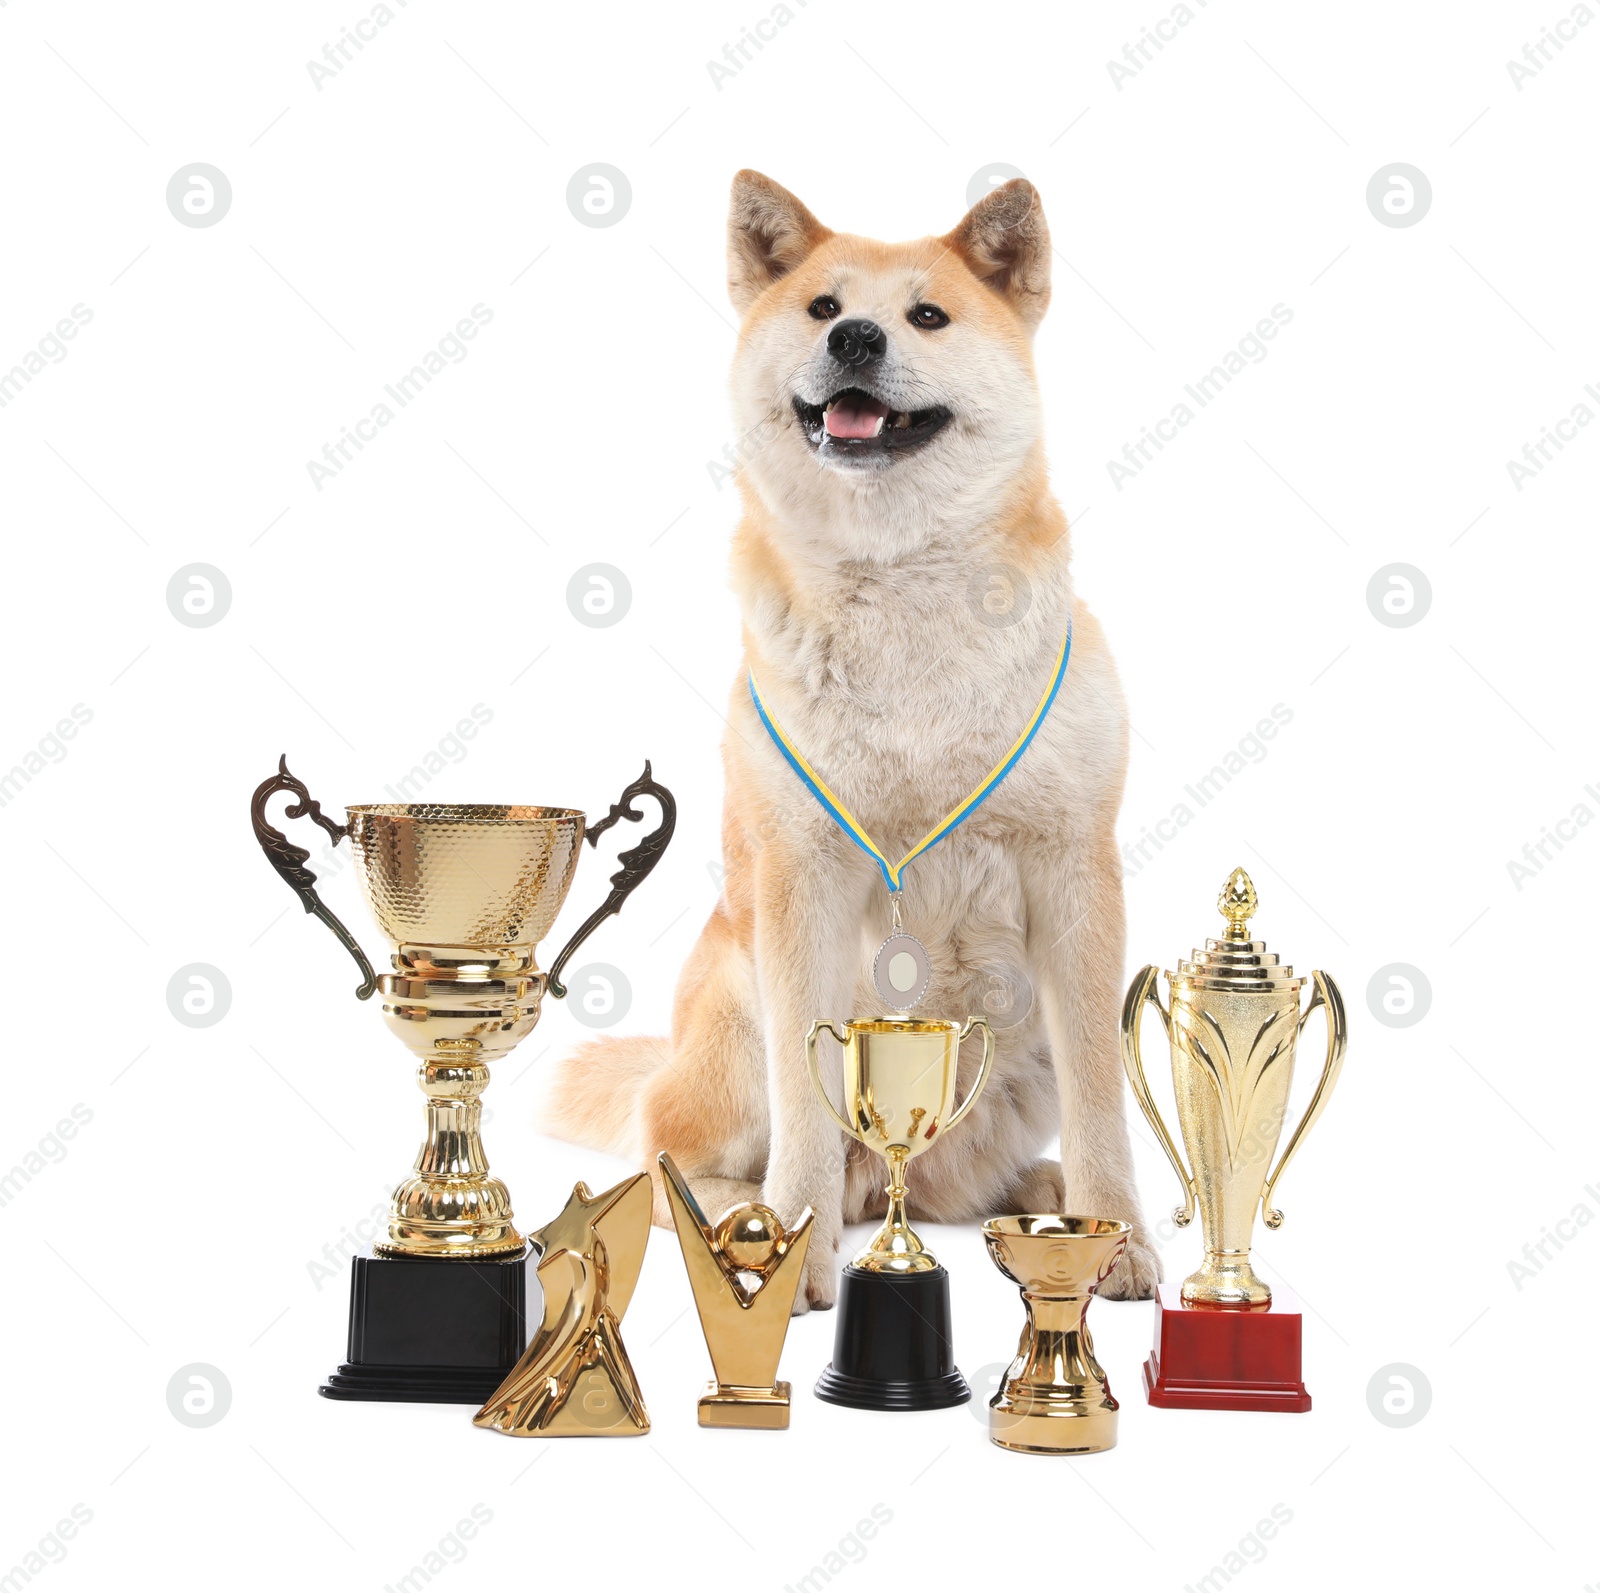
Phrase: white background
(1227,175)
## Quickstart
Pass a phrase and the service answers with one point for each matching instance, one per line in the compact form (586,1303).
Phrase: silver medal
(900,970)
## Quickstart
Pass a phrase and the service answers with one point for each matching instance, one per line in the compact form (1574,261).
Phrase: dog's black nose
(857,343)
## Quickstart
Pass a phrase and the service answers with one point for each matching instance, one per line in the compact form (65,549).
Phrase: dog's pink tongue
(856,415)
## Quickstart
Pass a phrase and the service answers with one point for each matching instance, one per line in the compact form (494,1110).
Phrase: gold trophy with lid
(1223,1342)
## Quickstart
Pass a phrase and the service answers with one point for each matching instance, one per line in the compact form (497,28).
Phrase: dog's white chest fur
(903,691)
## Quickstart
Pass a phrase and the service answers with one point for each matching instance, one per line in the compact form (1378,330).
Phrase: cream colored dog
(903,572)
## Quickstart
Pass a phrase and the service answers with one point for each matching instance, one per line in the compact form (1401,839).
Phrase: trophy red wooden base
(1213,1358)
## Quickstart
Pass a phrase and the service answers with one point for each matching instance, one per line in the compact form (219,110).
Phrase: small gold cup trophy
(465,894)
(892,1347)
(1054,1399)
(1224,1341)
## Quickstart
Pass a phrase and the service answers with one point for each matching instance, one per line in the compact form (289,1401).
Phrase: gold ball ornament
(749,1236)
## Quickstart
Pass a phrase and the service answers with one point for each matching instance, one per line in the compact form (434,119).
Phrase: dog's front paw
(819,1284)
(1138,1272)
(1040,1188)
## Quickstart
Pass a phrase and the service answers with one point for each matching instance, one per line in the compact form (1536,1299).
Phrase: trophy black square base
(432,1331)
(891,1345)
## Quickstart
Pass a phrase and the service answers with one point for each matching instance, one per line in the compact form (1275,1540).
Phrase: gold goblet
(1055,1399)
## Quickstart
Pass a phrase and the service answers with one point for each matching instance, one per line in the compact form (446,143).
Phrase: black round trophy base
(891,1344)
(938,1393)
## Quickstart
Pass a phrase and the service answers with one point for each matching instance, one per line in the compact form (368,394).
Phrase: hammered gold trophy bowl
(1224,1342)
(892,1346)
(1054,1398)
(464,893)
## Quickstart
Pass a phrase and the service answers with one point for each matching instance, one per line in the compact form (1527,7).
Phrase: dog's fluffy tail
(595,1098)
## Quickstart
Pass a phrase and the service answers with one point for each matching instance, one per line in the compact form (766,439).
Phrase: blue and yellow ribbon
(851,825)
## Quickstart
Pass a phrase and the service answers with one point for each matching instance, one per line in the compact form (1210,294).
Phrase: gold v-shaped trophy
(464,893)
(745,1271)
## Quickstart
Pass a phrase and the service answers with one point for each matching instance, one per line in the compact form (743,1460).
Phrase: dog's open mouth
(854,422)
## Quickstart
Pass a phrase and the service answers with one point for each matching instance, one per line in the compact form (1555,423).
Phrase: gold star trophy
(744,1271)
(574,1379)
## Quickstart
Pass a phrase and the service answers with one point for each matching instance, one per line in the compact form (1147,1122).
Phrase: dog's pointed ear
(1006,245)
(769,233)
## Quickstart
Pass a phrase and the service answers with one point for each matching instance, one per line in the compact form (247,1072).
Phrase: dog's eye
(929,317)
(824,307)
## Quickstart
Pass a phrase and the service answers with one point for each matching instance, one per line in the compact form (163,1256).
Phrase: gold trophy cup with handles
(1233,1024)
(892,1344)
(464,893)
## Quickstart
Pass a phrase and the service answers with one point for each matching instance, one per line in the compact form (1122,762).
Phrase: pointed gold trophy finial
(1237,904)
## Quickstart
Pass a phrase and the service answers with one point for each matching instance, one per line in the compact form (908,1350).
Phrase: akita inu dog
(903,573)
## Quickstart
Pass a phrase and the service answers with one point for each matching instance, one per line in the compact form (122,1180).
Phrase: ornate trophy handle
(816,1077)
(290,860)
(1324,994)
(983,1072)
(636,863)
(1144,989)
